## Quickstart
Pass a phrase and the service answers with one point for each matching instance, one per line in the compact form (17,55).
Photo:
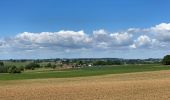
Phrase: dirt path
(134,86)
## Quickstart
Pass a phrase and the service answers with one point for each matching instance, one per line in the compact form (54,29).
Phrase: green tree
(3,69)
(1,64)
(21,68)
(49,65)
(32,66)
(166,60)
(14,69)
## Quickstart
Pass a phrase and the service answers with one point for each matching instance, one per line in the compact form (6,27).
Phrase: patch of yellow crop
(133,86)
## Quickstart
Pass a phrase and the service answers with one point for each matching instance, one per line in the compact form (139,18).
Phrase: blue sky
(72,16)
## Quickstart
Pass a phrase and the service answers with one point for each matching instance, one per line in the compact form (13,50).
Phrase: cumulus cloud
(68,40)
(157,36)
(162,31)
(49,40)
(121,38)
(3,43)
(143,41)
(105,39)
(161,27)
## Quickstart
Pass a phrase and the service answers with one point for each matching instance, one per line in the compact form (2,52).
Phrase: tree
(3,69)
(108,62)
(53,66)
(21,68)
(14,69)
(48,65)
(166,60)
(32,66)
(1,64)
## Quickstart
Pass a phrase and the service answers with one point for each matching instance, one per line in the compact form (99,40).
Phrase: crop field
(81,72)
(153,85)
(121,82)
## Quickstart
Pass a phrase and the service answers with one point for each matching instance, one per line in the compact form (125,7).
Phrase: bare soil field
(129,86)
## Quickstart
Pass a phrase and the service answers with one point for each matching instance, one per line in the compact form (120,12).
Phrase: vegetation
(14,69)
(64,68)
(1,64)
(49,65)
(86,71)
(108,62)
(3,69)
(32,66)
(9,69)
(166,60)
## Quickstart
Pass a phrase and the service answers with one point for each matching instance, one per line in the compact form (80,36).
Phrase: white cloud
(3,43)
(68,41)
(61,39)
(121,38)
(161,27)
(105,39)
(162,31)
(153,37)
(133,30)
(143,41)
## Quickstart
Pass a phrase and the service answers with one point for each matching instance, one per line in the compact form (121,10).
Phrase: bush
(49,65)
(1,64)
(32,66)
(21,68)
(53,66)
(3,69)
(14,69)
(166,60)
(107,63)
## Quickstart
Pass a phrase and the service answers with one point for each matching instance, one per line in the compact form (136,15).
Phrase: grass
(88,71)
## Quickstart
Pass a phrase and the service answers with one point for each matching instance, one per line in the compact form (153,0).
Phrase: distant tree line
(9,68)
(74,63)
(108,62)
(18,69)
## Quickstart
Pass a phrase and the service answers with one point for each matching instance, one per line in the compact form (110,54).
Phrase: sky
(32,29)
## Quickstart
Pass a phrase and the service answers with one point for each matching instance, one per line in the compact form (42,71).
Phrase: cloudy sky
(84,28)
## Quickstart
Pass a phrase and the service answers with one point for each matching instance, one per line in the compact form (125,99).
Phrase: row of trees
(165,61)
(34,65)
(108,62)
(9,68)
(19,69)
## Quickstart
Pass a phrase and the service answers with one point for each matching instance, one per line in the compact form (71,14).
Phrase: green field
(88,71)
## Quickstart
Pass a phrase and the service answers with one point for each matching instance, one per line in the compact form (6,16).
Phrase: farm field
(81,72)
(152,85)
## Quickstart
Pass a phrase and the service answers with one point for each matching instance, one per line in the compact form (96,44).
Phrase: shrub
(21,68)
(32,66)
(53,66)
(1,64)
(48,65)
(3,69)
(14,69)
(107,63)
